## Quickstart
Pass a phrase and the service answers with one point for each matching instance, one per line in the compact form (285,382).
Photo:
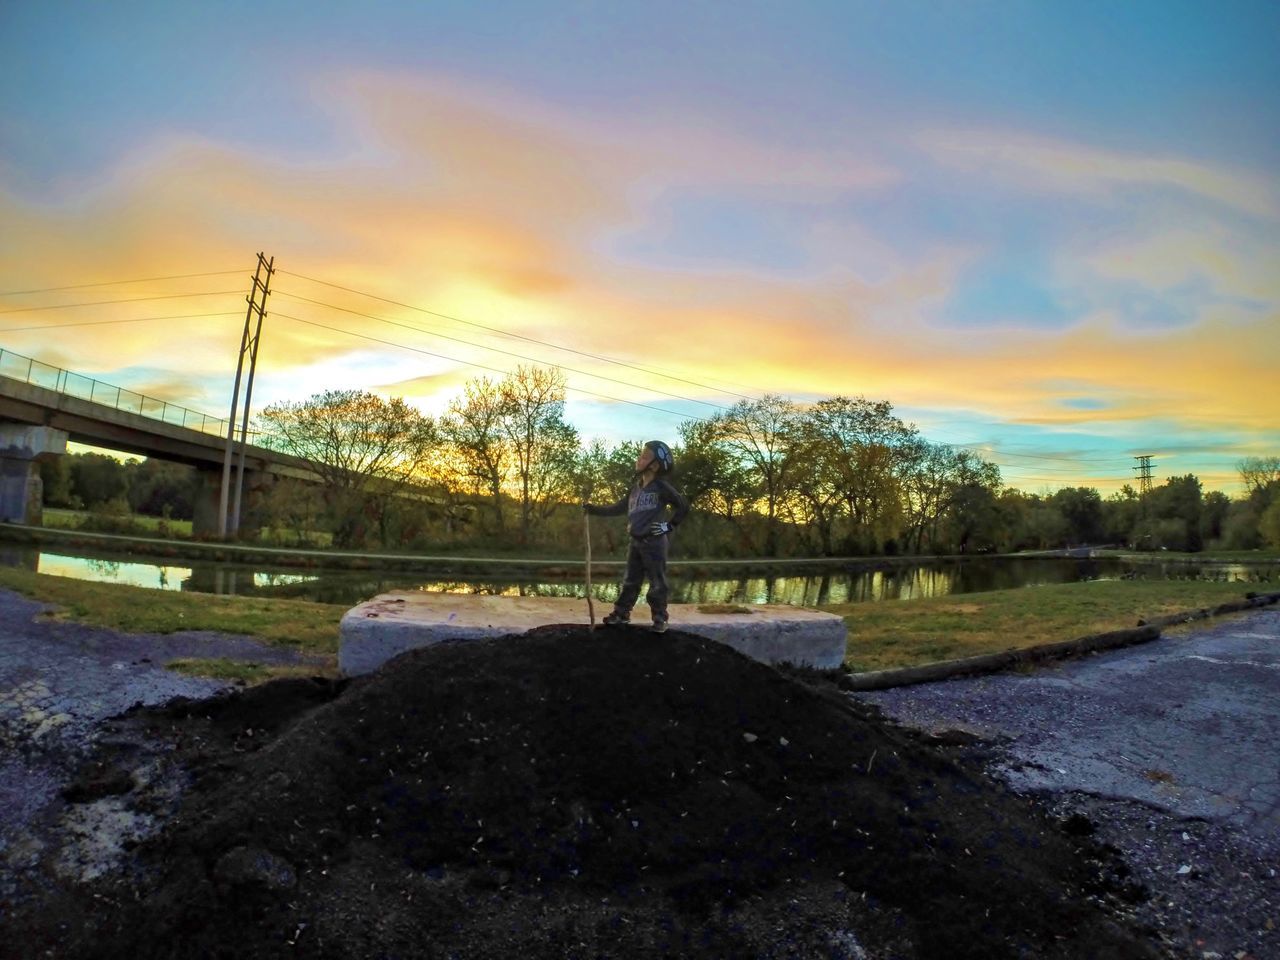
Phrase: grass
(881,635)
(143,525)
(722,608)
(914,632)
(305,626)
(1260,555)
(221,668)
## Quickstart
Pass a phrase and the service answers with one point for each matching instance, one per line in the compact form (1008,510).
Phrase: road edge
(1146,631)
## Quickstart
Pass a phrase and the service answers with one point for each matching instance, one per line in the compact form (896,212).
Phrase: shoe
(616,619)
(659,626)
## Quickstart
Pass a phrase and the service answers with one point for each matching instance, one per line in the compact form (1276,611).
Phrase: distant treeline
(502,468)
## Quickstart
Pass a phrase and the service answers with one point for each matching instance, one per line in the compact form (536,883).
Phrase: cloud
(504,211)
(1079,169)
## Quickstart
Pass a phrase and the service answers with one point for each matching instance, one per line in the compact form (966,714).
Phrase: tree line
(502,467)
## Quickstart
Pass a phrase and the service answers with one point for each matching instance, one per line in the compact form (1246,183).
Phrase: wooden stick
(591,607)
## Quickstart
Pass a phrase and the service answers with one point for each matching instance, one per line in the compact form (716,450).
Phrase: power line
(100,303)
(471,363)
(517,336)
(112,283)
(508,353)
(1032,456)
(96,323)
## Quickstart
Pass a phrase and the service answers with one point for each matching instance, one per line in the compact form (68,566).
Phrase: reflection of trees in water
(907,582)
(105,569)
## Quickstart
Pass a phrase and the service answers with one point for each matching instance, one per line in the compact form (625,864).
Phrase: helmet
(662,454)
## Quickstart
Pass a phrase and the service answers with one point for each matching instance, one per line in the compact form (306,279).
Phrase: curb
(1146,631)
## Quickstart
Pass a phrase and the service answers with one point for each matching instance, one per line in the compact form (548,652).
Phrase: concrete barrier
(393,623)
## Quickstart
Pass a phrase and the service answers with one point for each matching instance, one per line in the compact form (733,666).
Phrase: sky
(1047,231)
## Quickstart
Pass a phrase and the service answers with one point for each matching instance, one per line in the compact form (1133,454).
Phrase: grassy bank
(893,633)
(306,626)
(902,633)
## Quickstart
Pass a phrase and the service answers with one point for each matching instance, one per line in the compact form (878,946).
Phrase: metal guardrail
(15,366)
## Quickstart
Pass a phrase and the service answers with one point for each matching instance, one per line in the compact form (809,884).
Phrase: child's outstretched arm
(606,510)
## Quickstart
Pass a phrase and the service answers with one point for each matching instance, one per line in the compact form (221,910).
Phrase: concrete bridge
(37,420)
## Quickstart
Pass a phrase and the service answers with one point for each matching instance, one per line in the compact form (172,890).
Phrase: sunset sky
(1047,230)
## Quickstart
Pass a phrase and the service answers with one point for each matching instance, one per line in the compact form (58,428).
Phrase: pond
(843,583)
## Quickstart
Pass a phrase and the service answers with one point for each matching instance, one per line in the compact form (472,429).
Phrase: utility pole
(257,300)
(1144,473)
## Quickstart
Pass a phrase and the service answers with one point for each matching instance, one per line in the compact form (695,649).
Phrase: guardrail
(15,366)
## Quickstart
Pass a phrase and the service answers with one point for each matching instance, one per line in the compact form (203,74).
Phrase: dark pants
(646,559)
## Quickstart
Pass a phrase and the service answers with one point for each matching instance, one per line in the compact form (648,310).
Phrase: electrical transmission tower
(1144,473)
(229,521)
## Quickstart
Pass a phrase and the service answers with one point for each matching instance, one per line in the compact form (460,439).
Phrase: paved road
(1171,750)
(1190,724)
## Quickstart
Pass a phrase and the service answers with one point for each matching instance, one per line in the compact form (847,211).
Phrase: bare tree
(473,429)
(543,445)
(1258,473)
(364,449)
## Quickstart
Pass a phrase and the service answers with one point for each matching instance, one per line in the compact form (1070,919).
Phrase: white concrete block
(392,623)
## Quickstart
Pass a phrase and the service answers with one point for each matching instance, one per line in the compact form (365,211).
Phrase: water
(925,579)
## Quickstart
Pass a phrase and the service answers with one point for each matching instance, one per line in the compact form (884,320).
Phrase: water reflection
(134,574)
(917,581)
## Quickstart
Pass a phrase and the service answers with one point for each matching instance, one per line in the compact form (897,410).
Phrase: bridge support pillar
(204,522)
(204,516)
(22,447)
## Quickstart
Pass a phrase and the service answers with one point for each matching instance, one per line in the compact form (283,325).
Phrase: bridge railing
(15,366)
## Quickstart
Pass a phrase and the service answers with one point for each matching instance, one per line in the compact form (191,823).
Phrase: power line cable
(1032,456)
(96,323)
(516,336)
(100,303)
(572,370)
(508,353)
(471,363)
(112,283)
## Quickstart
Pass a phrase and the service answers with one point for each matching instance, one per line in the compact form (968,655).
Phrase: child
(646,508)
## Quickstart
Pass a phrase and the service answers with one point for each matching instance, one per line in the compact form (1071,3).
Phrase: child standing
(645,505)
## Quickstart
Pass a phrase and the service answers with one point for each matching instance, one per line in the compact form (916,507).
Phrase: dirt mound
(576,794)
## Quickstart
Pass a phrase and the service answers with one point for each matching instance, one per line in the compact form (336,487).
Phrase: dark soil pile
(577,794)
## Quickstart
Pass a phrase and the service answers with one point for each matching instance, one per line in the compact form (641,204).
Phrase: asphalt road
(1188,724)
(1170,749)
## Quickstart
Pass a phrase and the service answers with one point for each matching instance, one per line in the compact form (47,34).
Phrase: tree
(1179,501)
(603,472)
(1120,515)
(1258,473)
(714,479)
(847,454)
(290,510)
(1213,516)
(932,477)
(759,433)
(543,445)
(974,519)
(98,479)
(1081,507)
(473,430)
(55,475)
(364,448)
(1269,524)
(160,488)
